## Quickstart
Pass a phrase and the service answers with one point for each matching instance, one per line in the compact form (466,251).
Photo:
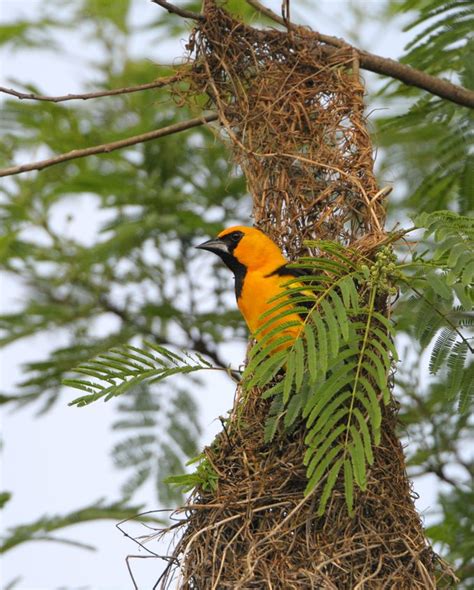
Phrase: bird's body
(261,275)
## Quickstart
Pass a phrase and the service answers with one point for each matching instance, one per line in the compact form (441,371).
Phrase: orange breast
(255,300)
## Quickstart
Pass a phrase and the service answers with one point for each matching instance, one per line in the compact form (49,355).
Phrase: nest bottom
(257,530)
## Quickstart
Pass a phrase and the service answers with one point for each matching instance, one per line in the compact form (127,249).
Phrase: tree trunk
(294,117)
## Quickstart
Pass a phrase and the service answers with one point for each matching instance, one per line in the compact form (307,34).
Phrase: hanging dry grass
(294,119)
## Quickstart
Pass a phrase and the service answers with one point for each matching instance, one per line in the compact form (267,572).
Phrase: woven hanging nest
(292,113)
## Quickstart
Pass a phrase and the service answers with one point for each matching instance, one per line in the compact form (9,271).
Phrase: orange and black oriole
(261,273)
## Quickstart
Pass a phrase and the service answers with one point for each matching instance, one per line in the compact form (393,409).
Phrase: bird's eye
(234,236)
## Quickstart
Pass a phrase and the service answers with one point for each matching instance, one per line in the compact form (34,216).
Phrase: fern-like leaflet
(126,367)
(335,372)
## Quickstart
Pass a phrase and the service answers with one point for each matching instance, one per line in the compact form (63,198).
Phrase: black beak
(215,245)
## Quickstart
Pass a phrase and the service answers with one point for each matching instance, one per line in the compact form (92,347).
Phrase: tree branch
(413,77)
(384,65)
(105,148)
(115,91)
(172,9)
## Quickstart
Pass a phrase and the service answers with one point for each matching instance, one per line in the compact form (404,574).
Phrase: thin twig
(115,91)
(384,65)
(105,148)
(171,8)
(129,567)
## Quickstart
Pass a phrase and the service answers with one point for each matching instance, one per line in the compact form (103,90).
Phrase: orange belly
(255,299)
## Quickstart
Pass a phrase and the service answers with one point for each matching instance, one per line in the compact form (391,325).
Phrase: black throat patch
(239,270)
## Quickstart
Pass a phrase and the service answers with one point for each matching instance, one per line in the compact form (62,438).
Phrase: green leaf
(264,372)
(341,315)
(289,375)
(273,420)
(315,438)
(466,396)
(465,294)
(299,363)
(315,479)
(376,370)
(322,344)
(332,328)
(349,486)
(123,376)
(329,486)
(372,406)
(311,352)
(356,451)
(441,349)
(315,454)
(293,409)
(438,284)
(273,391)
(456,362)
(364,431)
(324,394)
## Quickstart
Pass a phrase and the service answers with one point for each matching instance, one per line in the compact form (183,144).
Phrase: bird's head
(245,246)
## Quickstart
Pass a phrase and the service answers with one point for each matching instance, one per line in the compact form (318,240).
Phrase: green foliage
(41,529)
(441,278)
(4,498)
(427,146)
(163,428)
(33,34)
(435,432)
(335,371)
(115,13)
(453,247)
(453,532)
(204,476)
(430,145)
(147,205)
(441,27)
(123,369)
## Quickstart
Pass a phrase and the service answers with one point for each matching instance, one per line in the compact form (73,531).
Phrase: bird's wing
(286,271)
